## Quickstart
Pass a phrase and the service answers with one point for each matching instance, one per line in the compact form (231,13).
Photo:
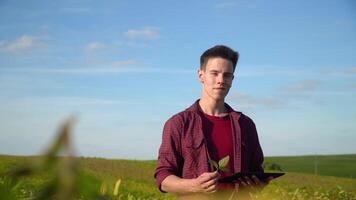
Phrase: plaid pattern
(184,152)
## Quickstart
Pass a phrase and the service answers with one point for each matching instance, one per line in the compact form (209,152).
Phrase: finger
(209,183)
(248,180)
(242,182)
(215,174)
(256,180)
(211,189)
(209,175)
(268,179)
(250,184)
(204,177)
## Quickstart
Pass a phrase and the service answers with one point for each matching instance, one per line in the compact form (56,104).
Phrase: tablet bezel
(260,175)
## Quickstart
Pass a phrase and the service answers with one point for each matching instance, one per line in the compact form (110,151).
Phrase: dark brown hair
(220,51)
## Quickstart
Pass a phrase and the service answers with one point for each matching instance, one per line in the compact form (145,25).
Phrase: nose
(221,79)
(224,81)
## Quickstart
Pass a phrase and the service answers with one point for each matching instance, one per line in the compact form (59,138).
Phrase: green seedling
(221,165)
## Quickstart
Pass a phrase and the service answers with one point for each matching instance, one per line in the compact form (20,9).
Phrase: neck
(213,107)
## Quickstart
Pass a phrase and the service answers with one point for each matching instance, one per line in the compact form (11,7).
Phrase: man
(209,130)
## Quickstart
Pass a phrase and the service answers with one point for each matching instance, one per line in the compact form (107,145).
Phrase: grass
(328,165)
(137,179)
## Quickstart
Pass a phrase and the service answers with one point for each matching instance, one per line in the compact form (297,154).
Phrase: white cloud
(94,46)
(60,101)
(124,63)
(76,10)
(77,70)
(351,70)
(302,71)
(277,71)
(353,85)
(120,66)
(117,67)
(131,44)
(339,72)
(20,44)
(247,101)
(147,33)
(301,86)
(284,97)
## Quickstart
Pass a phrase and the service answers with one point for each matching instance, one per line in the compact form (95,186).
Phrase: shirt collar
(195,107)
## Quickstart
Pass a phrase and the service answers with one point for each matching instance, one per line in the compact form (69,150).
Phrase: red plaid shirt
(184,152)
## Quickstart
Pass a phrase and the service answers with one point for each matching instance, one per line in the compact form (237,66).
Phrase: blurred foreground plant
(67,180)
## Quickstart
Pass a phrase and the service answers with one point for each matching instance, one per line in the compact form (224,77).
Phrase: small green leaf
(214,164)
(223,162)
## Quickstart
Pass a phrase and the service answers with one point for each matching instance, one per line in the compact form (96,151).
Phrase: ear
(201,75)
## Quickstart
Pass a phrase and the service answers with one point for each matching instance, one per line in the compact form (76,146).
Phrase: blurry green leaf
(223,162)
(66,182)
(214,164)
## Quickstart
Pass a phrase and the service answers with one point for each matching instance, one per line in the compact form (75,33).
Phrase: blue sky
(124,67)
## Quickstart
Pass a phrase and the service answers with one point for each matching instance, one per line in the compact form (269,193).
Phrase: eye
(228,75)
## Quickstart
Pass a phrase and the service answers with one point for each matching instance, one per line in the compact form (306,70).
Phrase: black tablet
(260,175)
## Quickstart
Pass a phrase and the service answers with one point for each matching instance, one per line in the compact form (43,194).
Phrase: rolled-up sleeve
(169,160)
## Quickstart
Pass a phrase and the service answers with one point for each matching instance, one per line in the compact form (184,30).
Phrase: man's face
(217,78)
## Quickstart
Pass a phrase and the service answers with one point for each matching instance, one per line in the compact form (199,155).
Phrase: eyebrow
(214,70)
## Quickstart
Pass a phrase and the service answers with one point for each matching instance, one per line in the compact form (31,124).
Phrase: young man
(209,130)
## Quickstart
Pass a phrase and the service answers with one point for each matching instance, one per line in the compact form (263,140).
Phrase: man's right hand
(206,182)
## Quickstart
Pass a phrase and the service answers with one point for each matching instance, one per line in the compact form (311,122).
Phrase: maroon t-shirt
(218,134)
